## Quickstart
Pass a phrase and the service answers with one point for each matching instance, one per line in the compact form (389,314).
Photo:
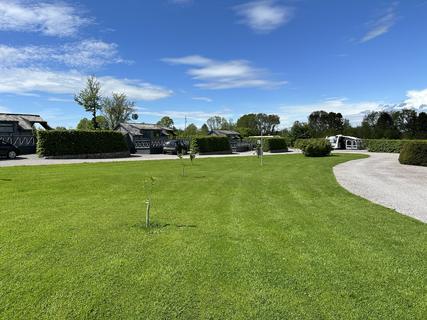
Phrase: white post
(262,151)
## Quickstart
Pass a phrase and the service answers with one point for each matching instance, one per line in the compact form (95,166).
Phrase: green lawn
(233,240)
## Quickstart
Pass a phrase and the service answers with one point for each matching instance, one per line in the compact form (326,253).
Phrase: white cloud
(382,25)
(49,18)
(214,74)
(264,16)
(354,111)
(416,98)
(204,99)
(31,80)
(199,117)
(88,54)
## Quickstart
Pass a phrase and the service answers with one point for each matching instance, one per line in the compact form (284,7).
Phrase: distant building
(232,135)
(144,137)
(18,129)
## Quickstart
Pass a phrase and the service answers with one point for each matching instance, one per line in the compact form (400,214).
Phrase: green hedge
(316,148)
(210,144)
(302,143)
(274,144)
(384,145)
(414,153)
(76,142)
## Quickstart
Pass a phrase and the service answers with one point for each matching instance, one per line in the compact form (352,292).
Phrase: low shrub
(317,148)
(414,153)
(210,144)
(384,145)
(302,143)
(274,144)
(76,142)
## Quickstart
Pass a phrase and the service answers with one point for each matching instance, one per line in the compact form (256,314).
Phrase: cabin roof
(25,121)
(135,128)
(224,133)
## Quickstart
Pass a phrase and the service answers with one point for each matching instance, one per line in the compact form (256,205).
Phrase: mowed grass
(232,240)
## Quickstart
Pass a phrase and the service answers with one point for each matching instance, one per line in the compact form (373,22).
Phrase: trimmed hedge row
(317,148)
(414,153)
(384,145)
(76,142)
(210,144)
(274,144)
(302,143)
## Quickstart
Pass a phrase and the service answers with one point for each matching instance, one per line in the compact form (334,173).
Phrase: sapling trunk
(147,214)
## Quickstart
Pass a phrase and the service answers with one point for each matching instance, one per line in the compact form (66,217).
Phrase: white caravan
(345,142)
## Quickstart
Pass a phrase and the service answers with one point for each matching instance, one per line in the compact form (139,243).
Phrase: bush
(274,144)
(302,143)
(76,142)
(414,153)
(210,144)
(317,148)
(384,145)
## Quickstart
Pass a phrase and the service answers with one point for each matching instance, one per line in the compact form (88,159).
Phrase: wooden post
(147,214)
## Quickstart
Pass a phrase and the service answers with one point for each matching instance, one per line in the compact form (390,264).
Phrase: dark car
(176,146)
(8,150)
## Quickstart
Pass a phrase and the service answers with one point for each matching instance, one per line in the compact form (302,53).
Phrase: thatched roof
(25,121)
(135,128)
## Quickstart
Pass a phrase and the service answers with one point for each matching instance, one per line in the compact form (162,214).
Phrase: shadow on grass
(158,226)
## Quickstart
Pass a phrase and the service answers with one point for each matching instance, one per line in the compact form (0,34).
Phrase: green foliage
(274,144)
(117,109)
(384,145)
(252,124)
(210,144)
(414,153)
(166,122)
(86,124)
(316,148)
(322,123)
(75,142)
(302,143)
(90,98)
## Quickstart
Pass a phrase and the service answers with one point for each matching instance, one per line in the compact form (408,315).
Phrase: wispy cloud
(416,98)
(33,80)
(49,18)
(382,24)
(213,74)
(87,54)
(264,16)
(204,99)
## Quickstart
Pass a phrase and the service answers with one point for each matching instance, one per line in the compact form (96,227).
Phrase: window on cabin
(6,128)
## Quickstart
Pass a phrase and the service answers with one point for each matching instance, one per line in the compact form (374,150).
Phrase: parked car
(176,146)
(8,150)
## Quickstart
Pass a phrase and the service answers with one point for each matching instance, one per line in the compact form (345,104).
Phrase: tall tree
(117,109)
(405,121)
(90,98)
(166,122)
(247,125)
(204,129)
(86,124)
(191,130)
(385,128)
(216,122)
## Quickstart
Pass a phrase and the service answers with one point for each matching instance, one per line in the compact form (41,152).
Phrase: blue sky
(199,58)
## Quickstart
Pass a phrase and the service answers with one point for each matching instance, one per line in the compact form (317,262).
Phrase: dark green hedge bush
(414,153)
(76,142)
(210,144)
(316,148)
(274,144)
(302,143)
(384,145)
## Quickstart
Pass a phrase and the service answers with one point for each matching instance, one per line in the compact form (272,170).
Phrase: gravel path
(34,160)
(383,180)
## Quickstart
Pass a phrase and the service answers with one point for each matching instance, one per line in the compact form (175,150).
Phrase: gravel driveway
(383,180)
